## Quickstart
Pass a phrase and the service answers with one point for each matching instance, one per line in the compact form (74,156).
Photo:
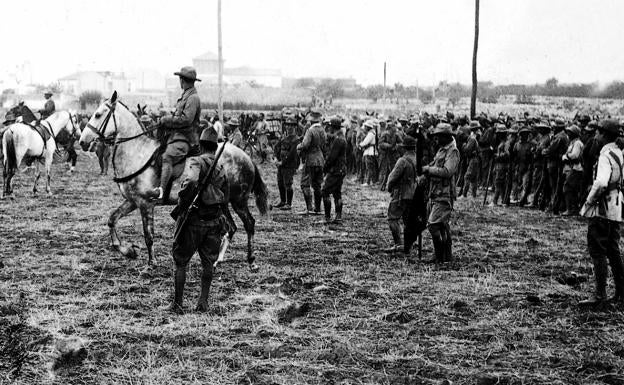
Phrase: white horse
(22,142)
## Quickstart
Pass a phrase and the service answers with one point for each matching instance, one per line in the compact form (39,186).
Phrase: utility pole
(473,96)
(220,105)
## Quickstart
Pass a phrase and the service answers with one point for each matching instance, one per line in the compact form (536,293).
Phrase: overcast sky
(524,41)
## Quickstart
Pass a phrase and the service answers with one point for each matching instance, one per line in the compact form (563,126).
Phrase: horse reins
(112,139)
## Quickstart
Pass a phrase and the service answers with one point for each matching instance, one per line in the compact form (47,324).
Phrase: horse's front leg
(249,224)
(147,216)
(48,168)
(126,208)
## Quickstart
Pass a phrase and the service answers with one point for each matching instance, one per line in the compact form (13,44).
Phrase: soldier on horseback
(49,108)
(182,128)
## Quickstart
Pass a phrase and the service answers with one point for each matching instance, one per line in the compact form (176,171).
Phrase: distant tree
(89,97)
(374,92)
(552,83)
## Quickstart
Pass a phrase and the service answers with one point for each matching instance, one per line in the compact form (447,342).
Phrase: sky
(423,42)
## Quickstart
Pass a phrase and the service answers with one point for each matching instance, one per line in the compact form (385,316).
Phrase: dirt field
(327,307)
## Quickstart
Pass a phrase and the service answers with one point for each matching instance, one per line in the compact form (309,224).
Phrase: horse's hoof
(254,268)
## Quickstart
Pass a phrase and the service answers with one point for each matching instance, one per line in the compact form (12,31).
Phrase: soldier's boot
(474,189)
(617,268)
(165,176)
(600,271)
(338,204)
(289,197)
(307,196)
(282,193)
(327,207)
(317,202)
(395,229)
(448,244)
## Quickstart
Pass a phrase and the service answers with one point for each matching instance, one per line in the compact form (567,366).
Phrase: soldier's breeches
(312,177)
(439,212)
(206,240)
(332,185)
(176,152)
(285,177)
(371,169)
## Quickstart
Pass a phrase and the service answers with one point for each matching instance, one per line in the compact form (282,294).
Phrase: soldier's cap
(314,116)
(574,129)
(543,125)
(408,142)
(500,128)
(474,125)
(524,130)
(233,122)
(559,123)
(291,121)
(584,118)
(354,118)
(369,124)
(611,126)
(591,126)
(188,73)
(335,121)
(443,129)
(403,120)
(47,92)
(209,135)
(203,123)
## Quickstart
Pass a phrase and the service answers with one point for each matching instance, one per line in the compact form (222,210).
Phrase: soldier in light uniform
(573,171)
(206,225)
(311,152)
(49,108)
(335,170)
(234,133)
(603,207)
(182,127)
(441,173)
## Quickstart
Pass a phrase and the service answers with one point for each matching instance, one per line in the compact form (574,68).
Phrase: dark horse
(136,169)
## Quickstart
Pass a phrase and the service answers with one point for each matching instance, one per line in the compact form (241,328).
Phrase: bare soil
(327,307)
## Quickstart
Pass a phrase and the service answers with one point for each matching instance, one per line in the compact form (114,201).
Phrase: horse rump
(260,192)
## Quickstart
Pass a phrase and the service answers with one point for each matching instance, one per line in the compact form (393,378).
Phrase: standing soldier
(49,108)
(388,152)
(441,174)
(501,164)
(573,171)
(591,152)
(358,154)
(235,135)
(512,138)
(369,147)
(471,155)
(604,209)
(206,225)
(181,127)
(335,171)
(554,153)
(541,185)
(401,185)
(261,131)
(523,151)
(487,144)
(287,163)
(311,151)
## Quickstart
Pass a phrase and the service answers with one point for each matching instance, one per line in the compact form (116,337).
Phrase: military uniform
(523,160)
(442,174)
(369,147)
(48,109)
(311,151)
(501,168)
(388,153)
(205,226)
(487,143)
(335,170)
(402,185)
(573,172)
(261,131)
(286,150)
(554,165)
(472,161)
(541,184)
(604,209)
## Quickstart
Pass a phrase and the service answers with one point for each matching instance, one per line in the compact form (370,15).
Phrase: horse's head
(100,125)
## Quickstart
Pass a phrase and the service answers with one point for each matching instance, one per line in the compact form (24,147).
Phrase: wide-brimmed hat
(474,125)
(559,123)
(574,129)
(209,135)
(611,126)
(188,73)
(233,122)
(47,92)
(591,126)
(408,142)
(443,129)
(369,124)
(291,121)
(314,116)
(524,130)
(335,121)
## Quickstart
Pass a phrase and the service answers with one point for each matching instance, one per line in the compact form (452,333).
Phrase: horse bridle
(112,139)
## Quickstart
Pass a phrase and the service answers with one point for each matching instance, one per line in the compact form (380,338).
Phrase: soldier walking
(603,207)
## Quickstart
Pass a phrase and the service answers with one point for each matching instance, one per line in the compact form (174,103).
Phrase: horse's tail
(260,191)
(10,163)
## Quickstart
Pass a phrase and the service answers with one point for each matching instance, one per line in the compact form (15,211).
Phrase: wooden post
(220,105)
(473,96)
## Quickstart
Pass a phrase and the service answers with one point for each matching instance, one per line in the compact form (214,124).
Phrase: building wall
(206,66)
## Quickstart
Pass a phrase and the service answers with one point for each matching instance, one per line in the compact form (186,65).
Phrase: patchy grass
(327,306)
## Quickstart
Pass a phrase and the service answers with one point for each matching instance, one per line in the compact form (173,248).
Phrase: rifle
(419,155)
(183,218)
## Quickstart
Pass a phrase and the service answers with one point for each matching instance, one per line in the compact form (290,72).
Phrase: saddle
(44,132)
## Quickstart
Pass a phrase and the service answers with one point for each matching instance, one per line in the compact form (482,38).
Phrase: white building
(103,81)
